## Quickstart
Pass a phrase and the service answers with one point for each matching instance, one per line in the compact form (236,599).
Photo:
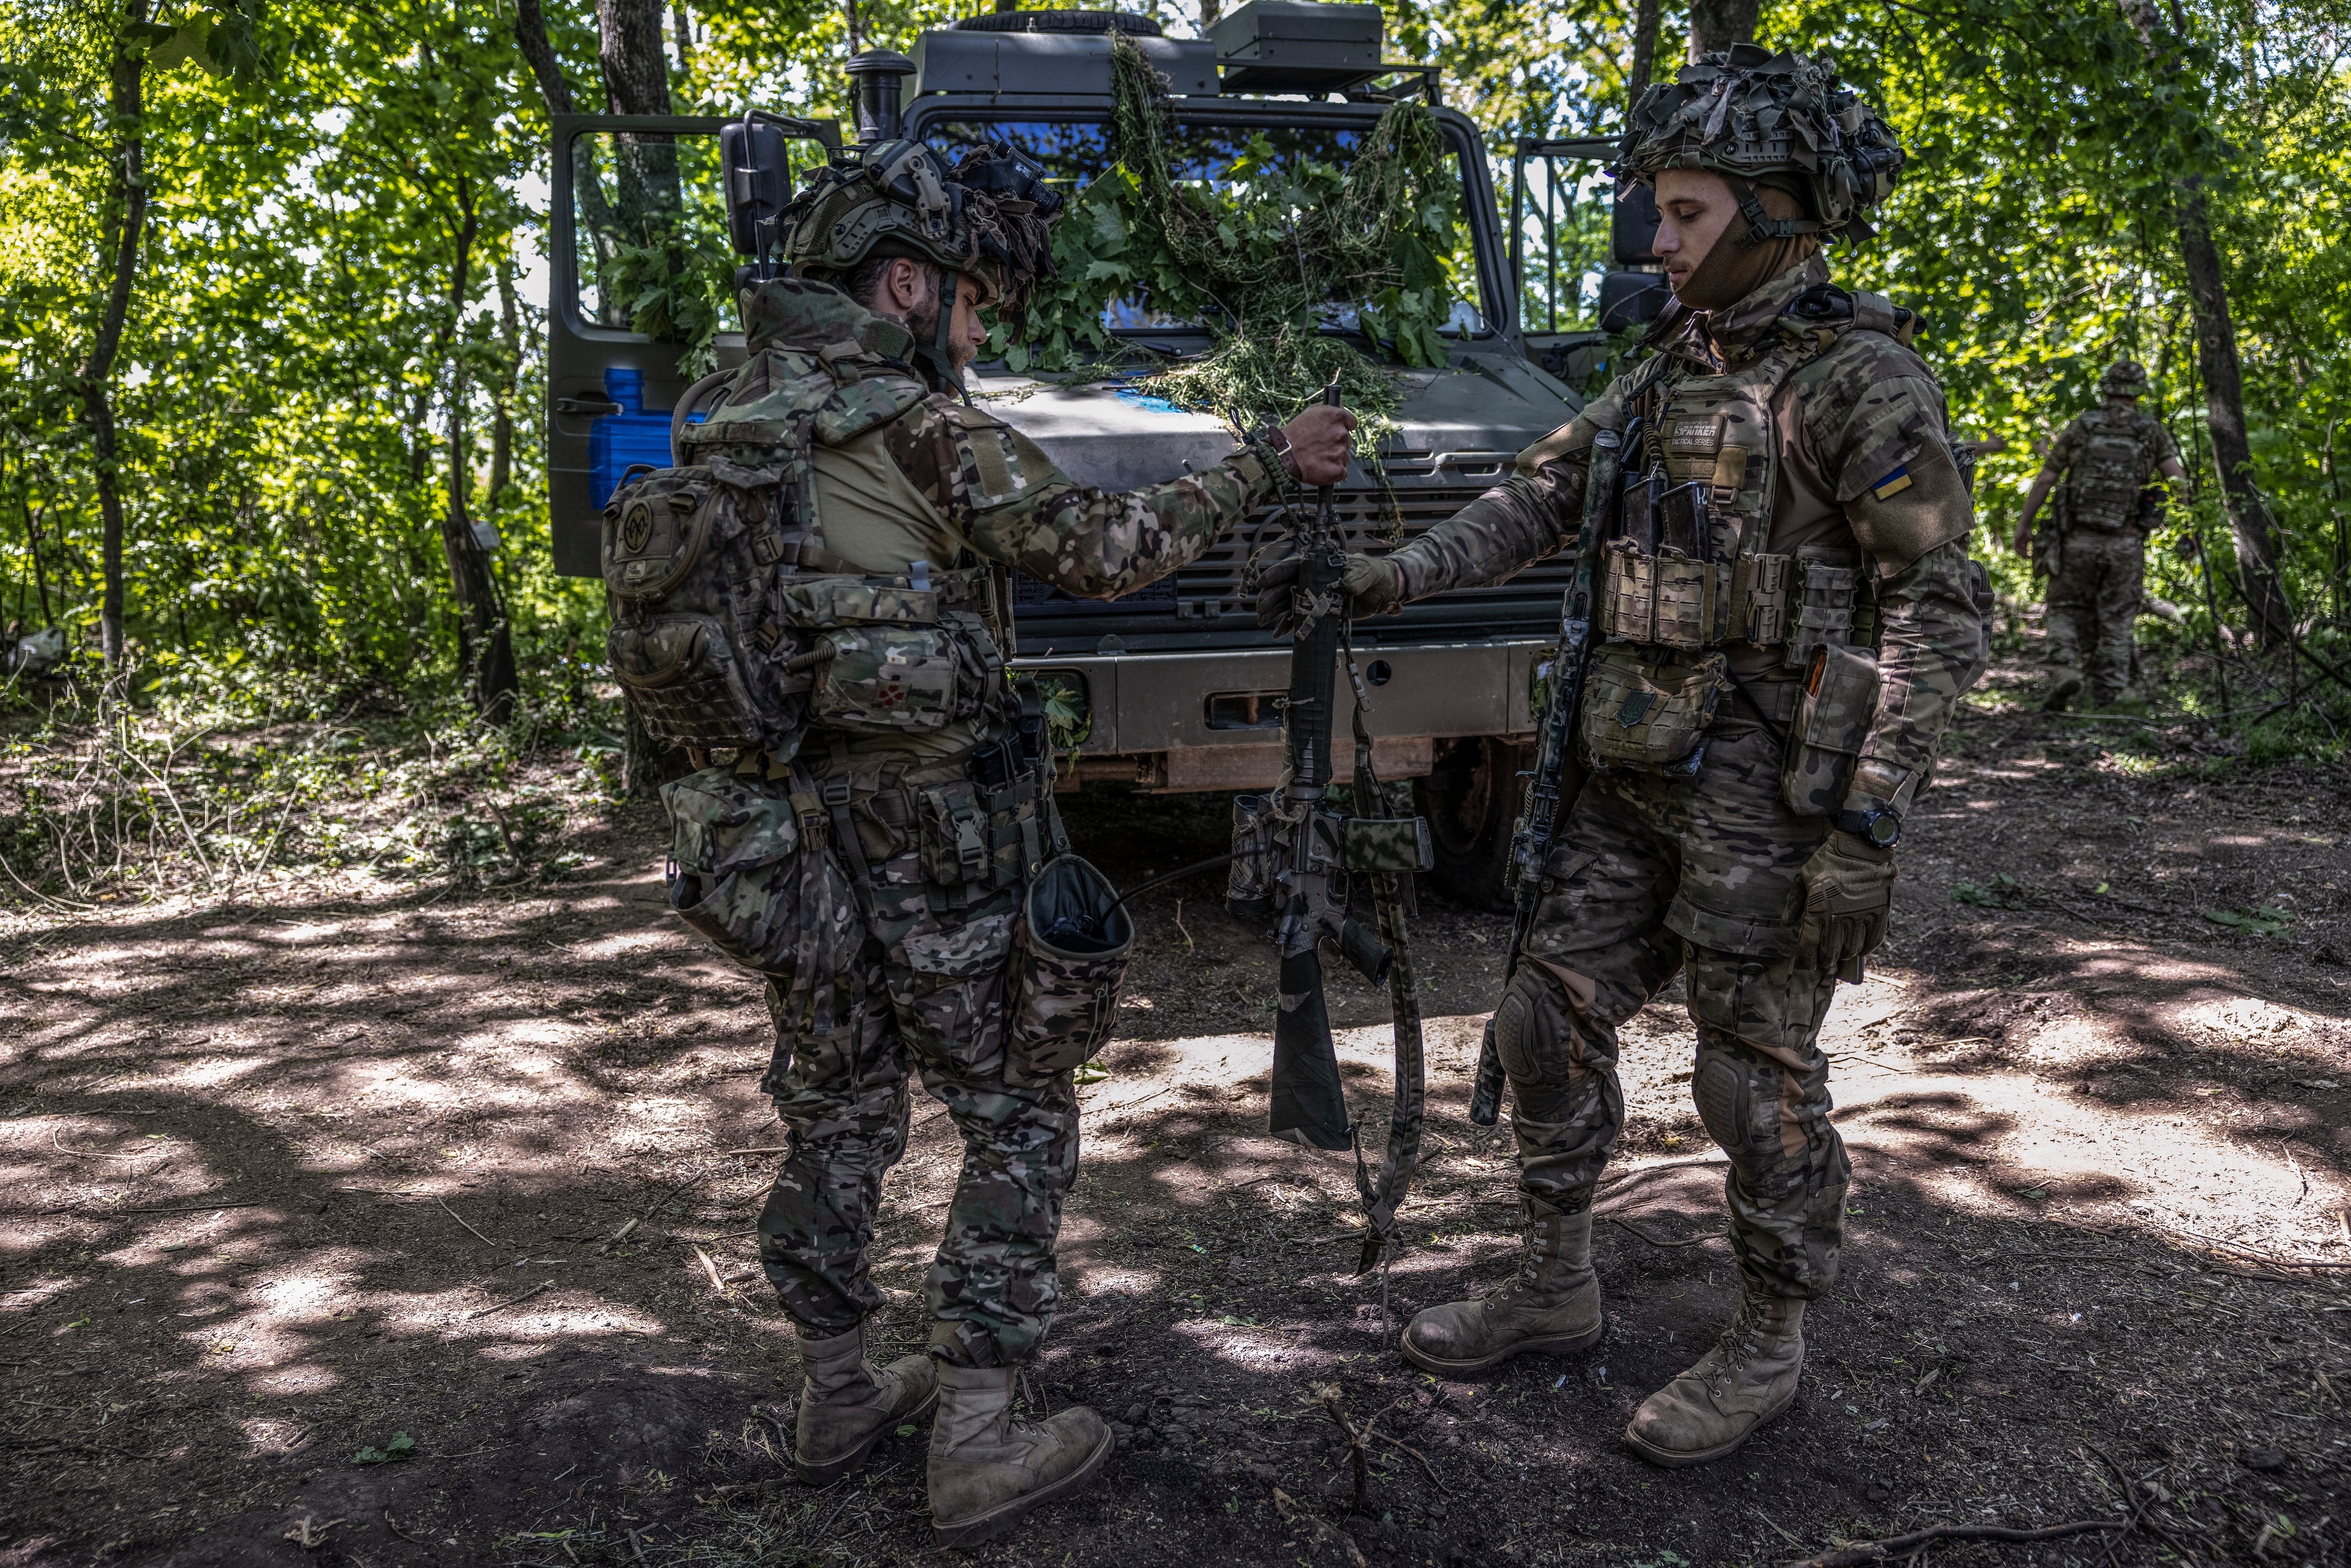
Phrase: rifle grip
(1486,1094)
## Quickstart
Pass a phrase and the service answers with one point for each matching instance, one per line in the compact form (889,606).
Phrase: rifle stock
(1549,790)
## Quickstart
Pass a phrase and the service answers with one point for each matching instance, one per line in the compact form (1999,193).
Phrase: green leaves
(2265,921)
(400,1446)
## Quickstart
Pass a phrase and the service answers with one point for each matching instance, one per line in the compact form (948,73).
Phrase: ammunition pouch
(1250,885)
(1830,604)
(1071,954)
(1670,601)
(1833,713)
(1649,713)
(975,841)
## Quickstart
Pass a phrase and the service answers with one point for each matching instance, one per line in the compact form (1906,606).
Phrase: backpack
(734,627)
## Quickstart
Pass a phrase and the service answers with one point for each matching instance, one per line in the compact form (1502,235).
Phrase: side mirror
(1631,299)
(1633,229)
(757,158)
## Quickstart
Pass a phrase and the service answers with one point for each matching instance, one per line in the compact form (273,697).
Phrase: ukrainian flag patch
(1894,484)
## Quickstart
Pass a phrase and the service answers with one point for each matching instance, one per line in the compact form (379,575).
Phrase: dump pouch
(1072,950)
(734,866)
(1640,712)
(1832,716)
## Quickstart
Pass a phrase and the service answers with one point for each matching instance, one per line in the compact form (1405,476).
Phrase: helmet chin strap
(938,357)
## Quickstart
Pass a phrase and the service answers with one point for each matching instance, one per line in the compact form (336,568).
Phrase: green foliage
(2263,921)
(1265,259)
(401,1447)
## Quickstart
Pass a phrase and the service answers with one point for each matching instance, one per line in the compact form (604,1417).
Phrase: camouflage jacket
(1865,464)
(940,477)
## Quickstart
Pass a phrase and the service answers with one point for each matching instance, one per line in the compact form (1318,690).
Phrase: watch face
(1884,828)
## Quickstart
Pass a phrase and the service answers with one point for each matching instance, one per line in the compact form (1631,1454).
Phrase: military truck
(1177,682)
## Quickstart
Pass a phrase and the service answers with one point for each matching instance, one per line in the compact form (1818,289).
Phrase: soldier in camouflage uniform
(1767,701)
(905,931)
(2106,461)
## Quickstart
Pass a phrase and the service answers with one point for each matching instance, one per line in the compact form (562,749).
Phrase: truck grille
(1370,522)
(1211,587)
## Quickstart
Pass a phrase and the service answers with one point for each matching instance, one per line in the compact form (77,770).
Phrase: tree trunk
(1645,51)
(682,26)
(126,224)
(1715,25)
(510,379)
(484,643)
(2216,365)
(2224,412)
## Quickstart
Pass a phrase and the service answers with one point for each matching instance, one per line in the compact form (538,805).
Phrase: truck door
(1581,259)
(641,298)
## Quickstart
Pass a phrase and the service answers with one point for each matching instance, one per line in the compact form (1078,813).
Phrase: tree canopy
(327,339)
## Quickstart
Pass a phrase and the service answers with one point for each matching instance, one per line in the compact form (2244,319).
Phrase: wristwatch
(1877,827)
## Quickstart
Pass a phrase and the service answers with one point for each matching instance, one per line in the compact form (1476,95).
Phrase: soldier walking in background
(884,901)
(1790,615)
(2104,465)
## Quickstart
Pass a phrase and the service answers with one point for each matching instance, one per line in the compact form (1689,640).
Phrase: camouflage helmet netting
(989,217)
(2123,377)
(1750,113)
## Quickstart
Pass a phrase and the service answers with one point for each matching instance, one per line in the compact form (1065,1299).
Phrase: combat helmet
(989,217)
(1781,120)
(2123,377)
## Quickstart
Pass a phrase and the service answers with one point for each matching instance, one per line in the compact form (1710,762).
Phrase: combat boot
(1747,1378)
(848,1404)
(2065,685)
(1552,1303)
(987,1469)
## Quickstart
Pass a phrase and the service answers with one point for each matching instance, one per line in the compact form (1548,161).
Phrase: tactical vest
(1686,572)
(733,626)
(2108,471)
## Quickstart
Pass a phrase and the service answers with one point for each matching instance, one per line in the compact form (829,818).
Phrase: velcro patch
(1894,484)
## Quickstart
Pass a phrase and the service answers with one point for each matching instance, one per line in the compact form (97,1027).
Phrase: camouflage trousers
(925,993)
(1650,874)
(2093,606)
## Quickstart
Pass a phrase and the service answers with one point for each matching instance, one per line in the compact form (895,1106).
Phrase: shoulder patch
(852,410)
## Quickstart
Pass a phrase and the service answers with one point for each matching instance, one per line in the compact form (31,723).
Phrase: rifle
(1293,853)
(1547,790)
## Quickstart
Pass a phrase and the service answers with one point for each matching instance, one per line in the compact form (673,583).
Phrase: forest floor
(308,1201)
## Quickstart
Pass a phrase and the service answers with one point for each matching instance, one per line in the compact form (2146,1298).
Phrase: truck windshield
(1075,151)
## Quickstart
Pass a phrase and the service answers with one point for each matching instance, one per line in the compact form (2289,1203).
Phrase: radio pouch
(1833,713)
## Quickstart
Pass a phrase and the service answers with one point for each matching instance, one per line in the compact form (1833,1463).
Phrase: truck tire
(1471,801)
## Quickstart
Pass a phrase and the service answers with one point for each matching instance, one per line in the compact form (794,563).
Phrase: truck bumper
(1191,721)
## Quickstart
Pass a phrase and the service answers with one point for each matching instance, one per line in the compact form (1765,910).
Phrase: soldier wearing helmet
(1790,615)
(920,827)
(2104,466)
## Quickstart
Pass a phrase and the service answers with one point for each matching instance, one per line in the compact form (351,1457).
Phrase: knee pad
(1534,1033)
(1725,1101)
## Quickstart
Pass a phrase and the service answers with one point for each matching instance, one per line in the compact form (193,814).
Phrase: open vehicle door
(1580,258)
(639,241)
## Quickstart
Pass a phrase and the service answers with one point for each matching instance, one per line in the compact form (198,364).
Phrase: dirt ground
(304,1206)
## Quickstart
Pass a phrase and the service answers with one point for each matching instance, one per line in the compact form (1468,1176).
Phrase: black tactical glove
(1848,894)
(1373,584)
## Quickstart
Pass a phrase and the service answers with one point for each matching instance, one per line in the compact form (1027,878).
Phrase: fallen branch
(453,1215)
(1320,1528)
(2255,1253)
(1855,1553)
(776,1149)
(55,1141)
(1666,1246)
(1416,1454)
(512,1301)
(623,1233)
(395,1529)
(711,1269)
(309,1537)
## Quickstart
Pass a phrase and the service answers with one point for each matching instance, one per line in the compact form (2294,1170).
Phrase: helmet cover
(989,217)
(1748,114)
(2123,377)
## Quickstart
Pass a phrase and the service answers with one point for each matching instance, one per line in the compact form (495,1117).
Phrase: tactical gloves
(1848,892)
(1373,584)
